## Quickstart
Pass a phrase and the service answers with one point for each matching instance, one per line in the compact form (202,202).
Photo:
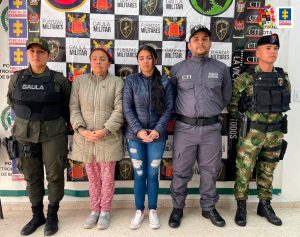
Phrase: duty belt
(266,127)
(197,121)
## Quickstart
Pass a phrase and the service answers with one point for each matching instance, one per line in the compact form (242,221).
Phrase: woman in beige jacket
(96,117)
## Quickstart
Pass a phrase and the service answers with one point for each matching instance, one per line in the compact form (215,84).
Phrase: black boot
(37,220)
(214,217)
(241,212)
(51,226)
(175,217)
(265,209)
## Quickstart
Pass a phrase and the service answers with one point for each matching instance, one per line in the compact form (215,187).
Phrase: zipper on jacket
(95,96)
(149,92)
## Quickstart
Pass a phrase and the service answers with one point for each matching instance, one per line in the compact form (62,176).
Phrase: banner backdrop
(74,27)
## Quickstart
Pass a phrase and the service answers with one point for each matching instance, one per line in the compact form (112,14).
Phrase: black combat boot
(265,209)
(38,219)
(51,226)
(175,217)
(241,212)
(214,217)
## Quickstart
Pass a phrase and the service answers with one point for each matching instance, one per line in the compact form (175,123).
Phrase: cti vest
(35,98)
(270,93)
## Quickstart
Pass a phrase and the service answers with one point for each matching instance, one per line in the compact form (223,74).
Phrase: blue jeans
(146,158)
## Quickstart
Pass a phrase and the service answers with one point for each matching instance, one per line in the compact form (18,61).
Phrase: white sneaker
(103,221)
(91,220)
(137,220)
(153,219)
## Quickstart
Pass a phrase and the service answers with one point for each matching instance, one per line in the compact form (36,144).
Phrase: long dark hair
(157,89)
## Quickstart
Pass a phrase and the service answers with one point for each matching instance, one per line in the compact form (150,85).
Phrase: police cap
(268,39)
(199,28)
(43,43)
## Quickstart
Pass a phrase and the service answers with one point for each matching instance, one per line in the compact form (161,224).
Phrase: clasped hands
(93,136)
(147,135)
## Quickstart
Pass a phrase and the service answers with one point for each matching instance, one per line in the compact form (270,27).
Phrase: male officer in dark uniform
(40,99)
(203,90)
(260,96)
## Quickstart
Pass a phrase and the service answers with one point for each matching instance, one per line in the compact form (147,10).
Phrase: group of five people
(199,89)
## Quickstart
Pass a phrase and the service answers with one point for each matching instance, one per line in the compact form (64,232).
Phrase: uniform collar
(258,69)
(28,72)
(200,59)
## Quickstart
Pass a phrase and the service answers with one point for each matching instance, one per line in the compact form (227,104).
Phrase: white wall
(291,164)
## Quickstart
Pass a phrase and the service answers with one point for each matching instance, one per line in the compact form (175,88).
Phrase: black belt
(197,121)
(266,127)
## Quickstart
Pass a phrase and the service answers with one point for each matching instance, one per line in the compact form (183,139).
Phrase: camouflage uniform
(251,148)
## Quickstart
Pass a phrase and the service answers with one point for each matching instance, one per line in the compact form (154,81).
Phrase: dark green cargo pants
(53,157)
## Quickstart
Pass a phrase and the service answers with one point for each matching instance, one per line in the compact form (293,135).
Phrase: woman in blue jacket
(148,102)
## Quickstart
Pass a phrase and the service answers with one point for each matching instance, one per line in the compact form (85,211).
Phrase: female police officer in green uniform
(40,99)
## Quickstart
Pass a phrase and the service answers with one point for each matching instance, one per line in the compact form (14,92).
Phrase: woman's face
(146,62)
(99,63)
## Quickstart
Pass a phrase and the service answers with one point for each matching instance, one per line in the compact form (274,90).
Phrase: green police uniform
(50,135)
(260,149)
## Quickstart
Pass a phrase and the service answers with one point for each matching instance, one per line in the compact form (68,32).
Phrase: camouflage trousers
(255,150)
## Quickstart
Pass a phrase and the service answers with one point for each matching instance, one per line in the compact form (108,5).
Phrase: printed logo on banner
(78,25)
(78,50)
(166,70)
(126,51)
(107,45)
(157,45)
(285,16)
(102,6)
(125,27)
(65,5)
(240,6)
(222,52)
(127,7)
(34,2)
(151,28)
(173,52)
(251,45)
(76,69)
(34,18)
(125,70)
(174,28)
(53,27)
(17,4)
(221,30)
(239,25)
(151,7)
(254,31)
(252,17)
(4,19)
(266,16)
(211,8)
(17,28)
(5,118)
(250,58)
(57,48)
(254,4)
(102,28)
(18,56)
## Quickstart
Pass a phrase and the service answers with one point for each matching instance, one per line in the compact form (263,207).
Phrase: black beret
(268,39)
(199,28)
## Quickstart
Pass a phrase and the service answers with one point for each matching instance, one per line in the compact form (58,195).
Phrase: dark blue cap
(268,39)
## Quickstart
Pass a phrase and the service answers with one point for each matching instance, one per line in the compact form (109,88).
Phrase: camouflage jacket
(244,83)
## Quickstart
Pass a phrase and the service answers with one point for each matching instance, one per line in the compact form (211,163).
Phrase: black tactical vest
(270,93)
(36,98)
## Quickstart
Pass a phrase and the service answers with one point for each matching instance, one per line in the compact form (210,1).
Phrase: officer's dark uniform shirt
(39,130)
(203,87)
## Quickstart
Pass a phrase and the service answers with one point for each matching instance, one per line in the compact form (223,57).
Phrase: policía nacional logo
(65,5)
(6,118)
(4,19)
(212,7)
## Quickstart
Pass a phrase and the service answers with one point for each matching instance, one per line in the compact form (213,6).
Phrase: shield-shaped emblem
(126,26)
(150,5)
(125,71)
(222,28)
(125,169)
(280,81)
(54,49)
